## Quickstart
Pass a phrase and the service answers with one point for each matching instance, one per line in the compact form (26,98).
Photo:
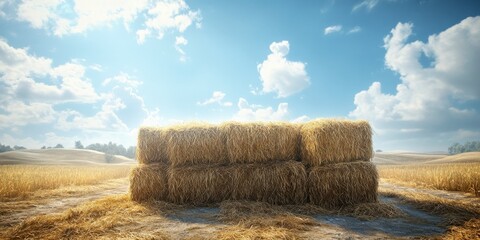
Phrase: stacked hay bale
(149,179)
(337,155)
(201,163)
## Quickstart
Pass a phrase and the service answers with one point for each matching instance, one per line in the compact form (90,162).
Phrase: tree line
(473,146)
(110,148)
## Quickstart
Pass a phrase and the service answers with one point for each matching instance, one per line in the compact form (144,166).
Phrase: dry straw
(276,183)
(196,143)
(329,141)
(152,145)
(149,182)
(200,184)
(343,184)
(261,142)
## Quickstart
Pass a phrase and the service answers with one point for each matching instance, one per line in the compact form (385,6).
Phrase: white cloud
(181,41)
(164,16)
(19,71)
(432,98)
(355,29)
(332,29)
(217,97)
(123,79)
(64,17)
(281,75)
(18,113)
(367,4)
(252,112)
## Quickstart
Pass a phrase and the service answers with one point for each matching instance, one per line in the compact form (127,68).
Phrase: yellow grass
(21,180)
(463,177)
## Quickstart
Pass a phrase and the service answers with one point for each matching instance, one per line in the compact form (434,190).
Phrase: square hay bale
(152,145)
(149,182)
(261,142)
(275,183)
(200,184)
(329,141)
(343,184)
(196,143)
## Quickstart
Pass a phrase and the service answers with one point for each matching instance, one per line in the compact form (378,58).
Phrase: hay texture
(329,141)
(196,143)
(261,142)
(275,183)
(200,185)
(149,182)
(152,145)
(343,184)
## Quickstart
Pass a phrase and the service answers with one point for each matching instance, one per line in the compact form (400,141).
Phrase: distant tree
(78,145)
(5,148)
(456,148)
(131,152)
(378,150)
(18,147)
(43,147)
(58,146)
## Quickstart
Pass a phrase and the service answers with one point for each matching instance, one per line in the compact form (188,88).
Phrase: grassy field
(459,172)
(22,180)
(463,177)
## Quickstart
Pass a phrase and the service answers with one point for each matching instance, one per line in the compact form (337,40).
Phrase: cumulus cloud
(217,97)
(250,112)
(19,69)
(281,75)
(65,17)
(332,29)
(366,4)
(437,97)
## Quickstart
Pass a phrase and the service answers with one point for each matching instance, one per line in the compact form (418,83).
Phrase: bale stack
(149,179)
(323,161)
(337,155)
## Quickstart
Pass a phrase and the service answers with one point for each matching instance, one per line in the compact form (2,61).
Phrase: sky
(95,71)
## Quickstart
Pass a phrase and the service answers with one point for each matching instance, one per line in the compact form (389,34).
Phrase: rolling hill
(60,156)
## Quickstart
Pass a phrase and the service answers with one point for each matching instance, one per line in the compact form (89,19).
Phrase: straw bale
(261,142)
(149,182)
(200,184)
(275,183)
(196,143)
(343,184)
(152,145)
(329,141)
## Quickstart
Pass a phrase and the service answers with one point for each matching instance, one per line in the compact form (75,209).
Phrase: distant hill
(60,156)
(405,158)
(424,158)
(468,157)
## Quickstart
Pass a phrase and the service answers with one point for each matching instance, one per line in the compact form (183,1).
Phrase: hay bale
(196,143)
(261,142)
(275,183)
(329,141)
(152,145)
(200,184)
(343,184)
(149,182)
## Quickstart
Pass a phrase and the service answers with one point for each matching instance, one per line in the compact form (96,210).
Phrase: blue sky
(95,71)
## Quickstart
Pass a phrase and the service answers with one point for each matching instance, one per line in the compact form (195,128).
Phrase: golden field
(21,180)
(463,177)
